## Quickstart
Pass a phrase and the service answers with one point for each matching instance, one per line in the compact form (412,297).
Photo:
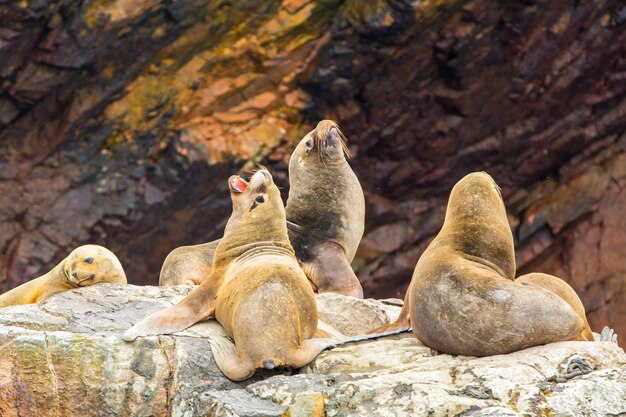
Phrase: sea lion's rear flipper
(197,306)
(325,331)
(371,336)
(563,290)
(330,271)
(229,361)
(309,349)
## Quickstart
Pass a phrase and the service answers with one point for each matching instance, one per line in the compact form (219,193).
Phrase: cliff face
(65,357)
(121,120)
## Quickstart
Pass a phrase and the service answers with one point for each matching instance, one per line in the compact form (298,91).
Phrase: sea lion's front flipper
(229,361)
(330,271)
(197,306)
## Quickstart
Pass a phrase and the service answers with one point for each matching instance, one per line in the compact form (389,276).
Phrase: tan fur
(325,218)
(71,272)
(563,290)
(256,290)
(188,265)
(463,299)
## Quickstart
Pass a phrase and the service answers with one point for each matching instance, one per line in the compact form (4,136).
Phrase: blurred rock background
(120,121)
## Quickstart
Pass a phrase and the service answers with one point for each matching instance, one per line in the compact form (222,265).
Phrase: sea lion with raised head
(463,298)
(256,290)
(84,266)
(325,210)
(325,217)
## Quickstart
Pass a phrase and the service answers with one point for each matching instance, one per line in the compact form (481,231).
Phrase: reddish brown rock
(120,121)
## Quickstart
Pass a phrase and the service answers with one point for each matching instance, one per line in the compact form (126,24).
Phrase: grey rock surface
(65,357)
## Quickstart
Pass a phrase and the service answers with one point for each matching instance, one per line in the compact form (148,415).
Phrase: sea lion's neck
(265,248)
(226,254)
(261,234)
(490,244)
(324,201)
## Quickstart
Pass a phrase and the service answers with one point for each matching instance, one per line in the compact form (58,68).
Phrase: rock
(66,357)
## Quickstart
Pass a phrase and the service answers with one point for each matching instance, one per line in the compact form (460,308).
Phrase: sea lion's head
(255,197)
(91,264)
(258,217)
(474,194)
(258,209)
(476,222)
(323,145)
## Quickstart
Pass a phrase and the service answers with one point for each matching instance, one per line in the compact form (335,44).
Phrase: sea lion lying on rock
(463,298)
(325,217)
(85,265)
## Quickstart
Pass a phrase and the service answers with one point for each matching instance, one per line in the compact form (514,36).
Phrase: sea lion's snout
(260,177)
(80,277)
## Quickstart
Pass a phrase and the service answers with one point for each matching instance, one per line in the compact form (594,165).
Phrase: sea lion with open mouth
(84,266)
(256,290)
(463,298)
(325,217)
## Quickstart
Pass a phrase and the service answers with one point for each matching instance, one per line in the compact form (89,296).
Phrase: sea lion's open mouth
(238,184)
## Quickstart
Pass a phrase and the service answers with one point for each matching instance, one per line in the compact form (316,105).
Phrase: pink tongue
(239,184)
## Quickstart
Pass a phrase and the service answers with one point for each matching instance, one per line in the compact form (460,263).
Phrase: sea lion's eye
(88,260)
(260,199)
(309,146)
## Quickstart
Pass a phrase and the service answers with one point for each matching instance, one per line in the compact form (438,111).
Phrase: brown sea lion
(256,290)
(325,218)
(563,290)
(84,266)
(463,298)
(188,265)
(325,210)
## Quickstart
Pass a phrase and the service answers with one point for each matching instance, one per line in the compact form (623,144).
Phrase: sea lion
(84,266)
(325,217)
(188,265)
(256,290)
(325,210)
(562,289)
(463,298)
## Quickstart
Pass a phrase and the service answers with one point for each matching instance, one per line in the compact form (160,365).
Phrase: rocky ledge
(65,357)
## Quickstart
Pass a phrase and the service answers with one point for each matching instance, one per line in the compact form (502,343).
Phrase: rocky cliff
(120,121)
(65,357)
